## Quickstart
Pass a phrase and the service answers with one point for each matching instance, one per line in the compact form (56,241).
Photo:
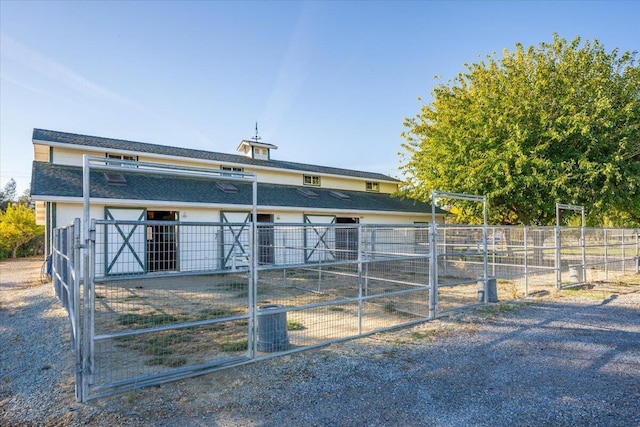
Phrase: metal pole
(624,255)
(77,344)
(253,273)
(606,255)
(360,308)
(584,248)
(637,257)
(558,242)
(87,358)
(433,260)
(526,263)
(485,249)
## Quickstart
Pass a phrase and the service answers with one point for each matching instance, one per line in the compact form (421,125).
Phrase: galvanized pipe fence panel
(169,299)
(66,280)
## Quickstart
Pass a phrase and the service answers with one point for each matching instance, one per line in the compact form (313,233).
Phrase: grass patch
(235,345)
(144,320)
(233,286)
(213,313)
(589,294)
(154,350)
(292,325)
(168,339)
(429,334)
(172,362)
(334,308)
(175,362)
(497,308)
(155,361)
(391,308)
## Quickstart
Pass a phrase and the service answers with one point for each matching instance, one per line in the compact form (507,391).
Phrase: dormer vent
(339,195)
(227,187)
(307,193)
(115,178)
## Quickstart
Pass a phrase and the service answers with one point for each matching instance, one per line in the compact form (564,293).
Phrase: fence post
(637,257)
(624,255)
(558,259)
(583,243)
(433,270)
(252,279)
(606,254)
(88,258)
(77,344)
(526,262)
(359,248)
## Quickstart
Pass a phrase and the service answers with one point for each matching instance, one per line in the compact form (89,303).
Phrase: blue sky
(328,82)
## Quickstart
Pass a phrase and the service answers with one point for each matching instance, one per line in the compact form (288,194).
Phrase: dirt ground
(565,358)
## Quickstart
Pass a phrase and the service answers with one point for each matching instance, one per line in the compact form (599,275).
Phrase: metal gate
(138,329)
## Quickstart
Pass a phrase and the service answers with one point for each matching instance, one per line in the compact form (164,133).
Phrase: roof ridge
(74,139)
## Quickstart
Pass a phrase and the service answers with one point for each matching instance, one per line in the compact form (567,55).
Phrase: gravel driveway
(571,358)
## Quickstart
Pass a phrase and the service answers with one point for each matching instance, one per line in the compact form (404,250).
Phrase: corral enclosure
(233,293)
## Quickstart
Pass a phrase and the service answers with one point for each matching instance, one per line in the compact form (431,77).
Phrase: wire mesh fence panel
(177,314)
(170,299)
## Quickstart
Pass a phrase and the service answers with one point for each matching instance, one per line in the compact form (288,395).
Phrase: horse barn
(287,192)
(174,262)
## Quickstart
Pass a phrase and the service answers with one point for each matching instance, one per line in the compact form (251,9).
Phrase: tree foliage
(18,227)
(555,123)
(8,194)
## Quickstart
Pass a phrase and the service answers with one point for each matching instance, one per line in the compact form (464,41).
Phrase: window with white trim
(231,169)
(311,180)
(122,157)
(372,186)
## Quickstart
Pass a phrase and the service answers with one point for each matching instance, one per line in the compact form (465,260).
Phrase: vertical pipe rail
(637,257)
(583,243)
(526,263)
(77,344)
(360,308)
(606,254)
(433,260)
(252,348)
(624,255)
(558,243)
(485,250)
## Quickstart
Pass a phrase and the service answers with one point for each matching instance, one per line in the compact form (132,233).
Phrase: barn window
(311,180)
(373,186)
(121,157)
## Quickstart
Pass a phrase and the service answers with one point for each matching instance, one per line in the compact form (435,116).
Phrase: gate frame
(433,246)
(560,207)
(85,360)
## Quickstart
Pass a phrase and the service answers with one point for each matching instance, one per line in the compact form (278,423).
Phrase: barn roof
(50,136)
(62,181)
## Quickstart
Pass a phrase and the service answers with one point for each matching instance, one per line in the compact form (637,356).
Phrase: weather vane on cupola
(256,138)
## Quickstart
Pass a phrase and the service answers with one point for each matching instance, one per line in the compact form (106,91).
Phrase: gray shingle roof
(142,147)
(51,180)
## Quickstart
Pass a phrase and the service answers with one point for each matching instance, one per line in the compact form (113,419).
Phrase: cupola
(255,149)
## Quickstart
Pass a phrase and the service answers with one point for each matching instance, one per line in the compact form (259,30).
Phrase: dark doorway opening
(347,239)
(265,240)
(162,242)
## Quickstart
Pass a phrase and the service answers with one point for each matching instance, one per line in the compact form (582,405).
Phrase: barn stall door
(319,238)
(125,243)
(235,229)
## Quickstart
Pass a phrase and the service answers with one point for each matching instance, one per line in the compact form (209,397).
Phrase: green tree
(540,125)
(8,194)
(18,227)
